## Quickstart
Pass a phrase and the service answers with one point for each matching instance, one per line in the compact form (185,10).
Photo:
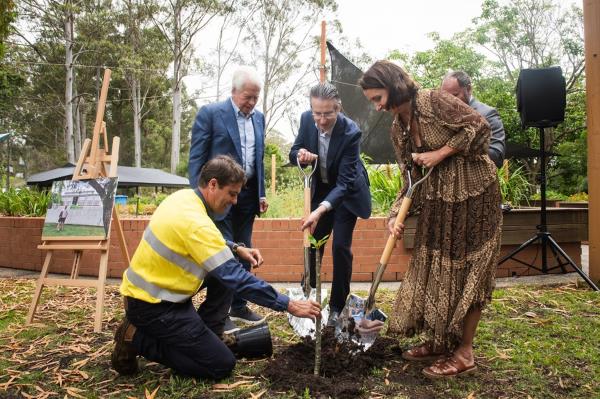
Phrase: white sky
(384,25)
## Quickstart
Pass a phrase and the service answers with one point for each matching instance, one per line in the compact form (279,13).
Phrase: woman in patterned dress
(450,277)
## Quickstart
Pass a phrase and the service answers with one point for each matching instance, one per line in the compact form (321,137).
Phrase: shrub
(386,183)
(24,202)
(578,197)
(514,186)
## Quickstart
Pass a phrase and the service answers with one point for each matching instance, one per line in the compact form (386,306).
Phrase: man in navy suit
(233,127)
(340,185)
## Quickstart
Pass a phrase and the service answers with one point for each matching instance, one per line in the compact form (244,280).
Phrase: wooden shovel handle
(391,241)
(306,231)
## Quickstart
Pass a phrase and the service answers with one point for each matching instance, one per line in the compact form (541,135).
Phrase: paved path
(548,279)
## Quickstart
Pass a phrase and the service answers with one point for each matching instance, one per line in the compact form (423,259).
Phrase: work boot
(229,327)
(245,315)
(124,355)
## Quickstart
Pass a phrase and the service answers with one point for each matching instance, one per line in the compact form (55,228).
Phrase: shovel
(356,307)
(307,177)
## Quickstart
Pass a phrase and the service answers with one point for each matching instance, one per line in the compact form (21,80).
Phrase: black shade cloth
(375,125)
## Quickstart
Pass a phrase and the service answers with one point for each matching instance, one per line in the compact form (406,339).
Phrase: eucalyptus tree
(283,46)
(180,22)
(536,34)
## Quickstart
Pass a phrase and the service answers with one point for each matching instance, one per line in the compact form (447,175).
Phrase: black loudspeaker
(541,97)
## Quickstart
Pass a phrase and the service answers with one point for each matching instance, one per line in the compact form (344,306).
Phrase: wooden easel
(94,162)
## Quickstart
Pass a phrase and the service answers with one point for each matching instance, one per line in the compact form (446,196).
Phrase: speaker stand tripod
(544,237)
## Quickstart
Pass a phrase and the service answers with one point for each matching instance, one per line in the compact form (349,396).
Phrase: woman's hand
(396,231)
(432,158)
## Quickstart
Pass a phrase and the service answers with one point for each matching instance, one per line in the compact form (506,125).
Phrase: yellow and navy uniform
(180,248)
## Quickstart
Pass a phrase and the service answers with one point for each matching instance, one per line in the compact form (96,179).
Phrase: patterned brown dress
(458,233)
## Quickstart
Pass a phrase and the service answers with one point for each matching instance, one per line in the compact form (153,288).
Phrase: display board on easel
(69,227)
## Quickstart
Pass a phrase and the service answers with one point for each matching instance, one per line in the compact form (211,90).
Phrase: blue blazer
(348,180)
(215,132)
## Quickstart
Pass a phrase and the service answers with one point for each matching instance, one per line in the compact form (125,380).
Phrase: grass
(533,342)
(73,230)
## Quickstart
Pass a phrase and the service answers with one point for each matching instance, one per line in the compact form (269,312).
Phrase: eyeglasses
(326,115)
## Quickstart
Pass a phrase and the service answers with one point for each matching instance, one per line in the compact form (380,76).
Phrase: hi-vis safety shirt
(180,248)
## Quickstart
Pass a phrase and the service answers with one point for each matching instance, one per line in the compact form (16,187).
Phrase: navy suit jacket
(215,132)
(348,182)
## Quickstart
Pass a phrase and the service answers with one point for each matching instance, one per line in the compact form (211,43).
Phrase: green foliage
(578,197)
(514,186)
(386,183)
(24,202)
(288,202)
(317,244)
(550,195)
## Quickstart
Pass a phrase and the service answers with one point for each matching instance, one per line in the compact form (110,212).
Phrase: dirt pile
(344,367)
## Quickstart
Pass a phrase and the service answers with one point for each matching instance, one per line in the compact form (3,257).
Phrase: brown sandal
(421,352)
(449,368)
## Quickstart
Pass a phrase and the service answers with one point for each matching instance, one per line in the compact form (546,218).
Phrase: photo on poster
(80,209)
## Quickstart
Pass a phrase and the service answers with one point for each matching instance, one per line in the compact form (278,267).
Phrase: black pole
(543,228)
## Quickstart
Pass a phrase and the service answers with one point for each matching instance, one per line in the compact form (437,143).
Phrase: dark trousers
(237,225)
(183,338)
(341,221)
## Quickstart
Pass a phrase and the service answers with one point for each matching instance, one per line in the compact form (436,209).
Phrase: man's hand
(263,205)
(312,219)
(306,157)
(250,255)
(307,309)
(397,231)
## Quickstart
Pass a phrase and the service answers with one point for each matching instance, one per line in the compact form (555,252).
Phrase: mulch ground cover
(61,356)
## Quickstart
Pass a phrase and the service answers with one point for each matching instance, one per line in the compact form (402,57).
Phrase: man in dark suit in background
(458,84)
(340,185)
(233,127)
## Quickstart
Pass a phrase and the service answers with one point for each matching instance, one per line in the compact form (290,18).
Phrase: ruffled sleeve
(471,130)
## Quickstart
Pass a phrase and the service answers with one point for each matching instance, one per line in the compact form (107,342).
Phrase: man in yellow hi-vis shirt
(182,251)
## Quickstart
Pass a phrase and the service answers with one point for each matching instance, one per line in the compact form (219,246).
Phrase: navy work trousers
(181,338)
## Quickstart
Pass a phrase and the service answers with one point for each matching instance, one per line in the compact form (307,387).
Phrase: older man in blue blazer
(340,185)
(233,127)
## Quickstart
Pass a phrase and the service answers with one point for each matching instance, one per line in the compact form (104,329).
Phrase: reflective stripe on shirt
(154,290)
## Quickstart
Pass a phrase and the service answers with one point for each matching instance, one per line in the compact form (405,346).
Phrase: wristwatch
(235,247)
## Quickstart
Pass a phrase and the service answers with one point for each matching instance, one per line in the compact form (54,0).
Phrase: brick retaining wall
(280,242)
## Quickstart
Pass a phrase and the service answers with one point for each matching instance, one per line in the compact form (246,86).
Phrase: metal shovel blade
(302,326)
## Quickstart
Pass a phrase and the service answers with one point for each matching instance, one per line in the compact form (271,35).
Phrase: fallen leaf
(151,395)
(471,395)
(531,314)
(257,395)
(386,381)
(231,386)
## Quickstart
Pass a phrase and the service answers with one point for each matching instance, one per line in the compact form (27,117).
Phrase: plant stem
(318,319)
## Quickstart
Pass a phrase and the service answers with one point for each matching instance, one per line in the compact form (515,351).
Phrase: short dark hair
(387,75)
(463,79)
(325,91)
(223,168)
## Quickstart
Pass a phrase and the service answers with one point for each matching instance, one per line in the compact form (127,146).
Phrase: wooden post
(273,172)
(323,46)
(591,27)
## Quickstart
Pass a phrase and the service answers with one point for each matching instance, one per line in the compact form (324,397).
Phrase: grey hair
(326,91)
(243,75)
(463,79)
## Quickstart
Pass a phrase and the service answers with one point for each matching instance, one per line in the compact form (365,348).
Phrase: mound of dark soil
(344,367)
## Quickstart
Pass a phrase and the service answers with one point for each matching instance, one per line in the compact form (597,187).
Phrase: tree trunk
(76,105)
(69,145)
(176,89)
(137,134)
